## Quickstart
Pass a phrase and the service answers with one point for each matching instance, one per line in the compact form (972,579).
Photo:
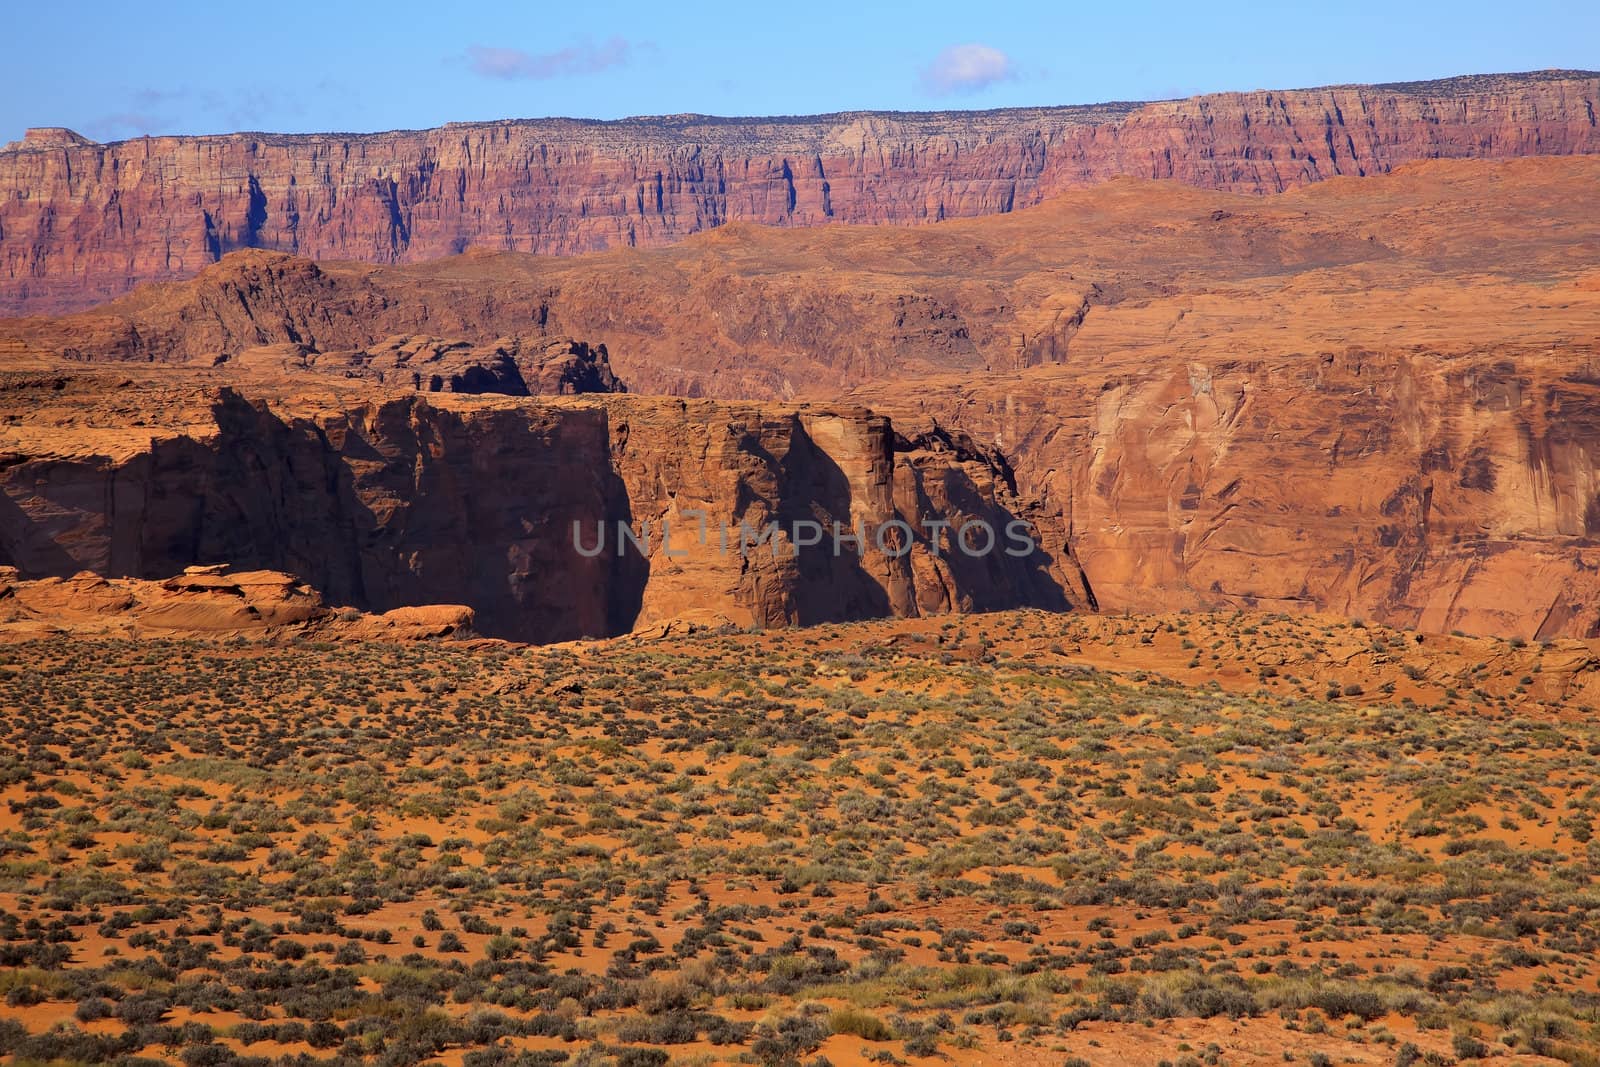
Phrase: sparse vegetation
(856,841)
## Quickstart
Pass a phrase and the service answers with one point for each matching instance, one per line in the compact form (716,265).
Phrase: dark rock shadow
(407,504)
(831,586)
(29,546)
(986,576)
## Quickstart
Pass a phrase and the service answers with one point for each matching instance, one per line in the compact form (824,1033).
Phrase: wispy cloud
(515,64)
(966,68)
(159,110)
(125,124)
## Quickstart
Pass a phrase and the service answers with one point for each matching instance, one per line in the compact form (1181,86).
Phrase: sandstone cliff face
(81,222)
(1447,496)
(713,474)
(487,501)
(1369,396)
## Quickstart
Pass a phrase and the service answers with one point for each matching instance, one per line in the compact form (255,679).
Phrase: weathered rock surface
(81,222)
(718,474)
(392,500)
(760,313)
(1459,494)
(507,365)
(1370,396)
(206,601)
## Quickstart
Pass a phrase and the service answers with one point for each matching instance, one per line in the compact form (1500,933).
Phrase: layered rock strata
(517,508)
(81,222)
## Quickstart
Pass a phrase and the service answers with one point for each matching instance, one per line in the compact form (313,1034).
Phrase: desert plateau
(901,572)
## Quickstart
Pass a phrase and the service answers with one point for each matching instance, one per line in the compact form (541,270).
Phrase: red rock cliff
(395,500)
(80,222)
(1371,396)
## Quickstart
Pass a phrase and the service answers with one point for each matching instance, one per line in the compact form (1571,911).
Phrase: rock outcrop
(508,365)
(208,602)
(515,507)
(82,222)
(882,513)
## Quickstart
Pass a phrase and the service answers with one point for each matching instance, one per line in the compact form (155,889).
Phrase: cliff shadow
(985,574)
(405,504)
(28,545)
(831,584)
(264,493)
(483,508)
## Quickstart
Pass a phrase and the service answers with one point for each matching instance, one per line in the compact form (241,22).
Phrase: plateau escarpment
(1370,396)
(751,312)
(81,222)
(511,506)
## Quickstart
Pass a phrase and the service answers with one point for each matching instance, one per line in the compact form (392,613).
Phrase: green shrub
(861,1024)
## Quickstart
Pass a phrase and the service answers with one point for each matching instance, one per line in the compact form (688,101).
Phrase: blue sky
(115,70)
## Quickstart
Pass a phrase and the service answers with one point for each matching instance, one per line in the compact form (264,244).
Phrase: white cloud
(966,68)
(514,63)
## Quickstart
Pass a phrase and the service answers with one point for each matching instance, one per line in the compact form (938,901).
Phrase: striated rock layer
(513,506)
(80,222)
(1448,495)
(1375,396)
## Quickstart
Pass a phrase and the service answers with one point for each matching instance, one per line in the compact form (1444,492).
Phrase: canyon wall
(1374,396)
(1446,495)
(81,222)
(412,500)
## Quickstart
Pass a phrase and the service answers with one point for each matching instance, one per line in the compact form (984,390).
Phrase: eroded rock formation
(1370,396)
(1460,494)
(208,602)
(501,503)
(508,365)
(81,222)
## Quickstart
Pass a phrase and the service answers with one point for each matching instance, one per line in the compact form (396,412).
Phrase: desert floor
(1011,838)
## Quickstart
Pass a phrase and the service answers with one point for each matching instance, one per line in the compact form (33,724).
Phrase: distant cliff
(81,222)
